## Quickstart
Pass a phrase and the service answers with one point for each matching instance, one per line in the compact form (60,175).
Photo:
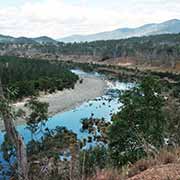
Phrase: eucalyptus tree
(15,138)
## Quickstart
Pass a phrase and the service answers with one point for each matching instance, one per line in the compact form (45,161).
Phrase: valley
(102,106)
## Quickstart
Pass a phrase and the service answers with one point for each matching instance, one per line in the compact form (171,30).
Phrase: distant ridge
(25,40)
(44,39)
(167,27)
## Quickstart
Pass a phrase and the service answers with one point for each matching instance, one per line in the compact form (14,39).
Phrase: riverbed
(68,99)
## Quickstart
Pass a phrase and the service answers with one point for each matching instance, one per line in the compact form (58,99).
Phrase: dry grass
(108,174)
(165,165)
(163,159)
(158,68)
(140,166)
(161,172)
(166,157)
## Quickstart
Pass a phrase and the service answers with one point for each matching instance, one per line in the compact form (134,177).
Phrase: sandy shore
(68,99)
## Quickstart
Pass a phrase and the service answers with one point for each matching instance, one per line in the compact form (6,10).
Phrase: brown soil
(163,172)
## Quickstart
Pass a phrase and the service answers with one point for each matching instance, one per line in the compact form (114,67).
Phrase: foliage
(172,113)
(140,125)
(59,149)
(97,128)
(55,142)
(93,159)
(38,115)
(29,77)
(7,149)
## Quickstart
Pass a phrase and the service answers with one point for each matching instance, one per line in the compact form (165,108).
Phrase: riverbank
(68,99)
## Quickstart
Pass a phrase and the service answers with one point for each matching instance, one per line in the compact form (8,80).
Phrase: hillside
(167,27)
(157,50)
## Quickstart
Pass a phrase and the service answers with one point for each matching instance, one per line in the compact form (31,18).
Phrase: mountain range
(167,27)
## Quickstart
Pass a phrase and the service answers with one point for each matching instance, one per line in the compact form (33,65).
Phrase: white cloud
(58,18)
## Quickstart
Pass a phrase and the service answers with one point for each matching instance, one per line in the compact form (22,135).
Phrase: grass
(165,158)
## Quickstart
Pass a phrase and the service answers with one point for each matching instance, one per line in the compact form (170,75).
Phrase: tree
(92,159)
(29,77)
(14,136)
(38,115)
(139,127)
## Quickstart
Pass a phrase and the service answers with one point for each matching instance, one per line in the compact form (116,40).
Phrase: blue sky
(58,18)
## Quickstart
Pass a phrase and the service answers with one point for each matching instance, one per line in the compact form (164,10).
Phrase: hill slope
(167,27)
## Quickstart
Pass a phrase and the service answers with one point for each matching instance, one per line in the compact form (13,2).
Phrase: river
(101,107)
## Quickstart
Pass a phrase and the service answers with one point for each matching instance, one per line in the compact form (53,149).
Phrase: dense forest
(155,50)
(24,77)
